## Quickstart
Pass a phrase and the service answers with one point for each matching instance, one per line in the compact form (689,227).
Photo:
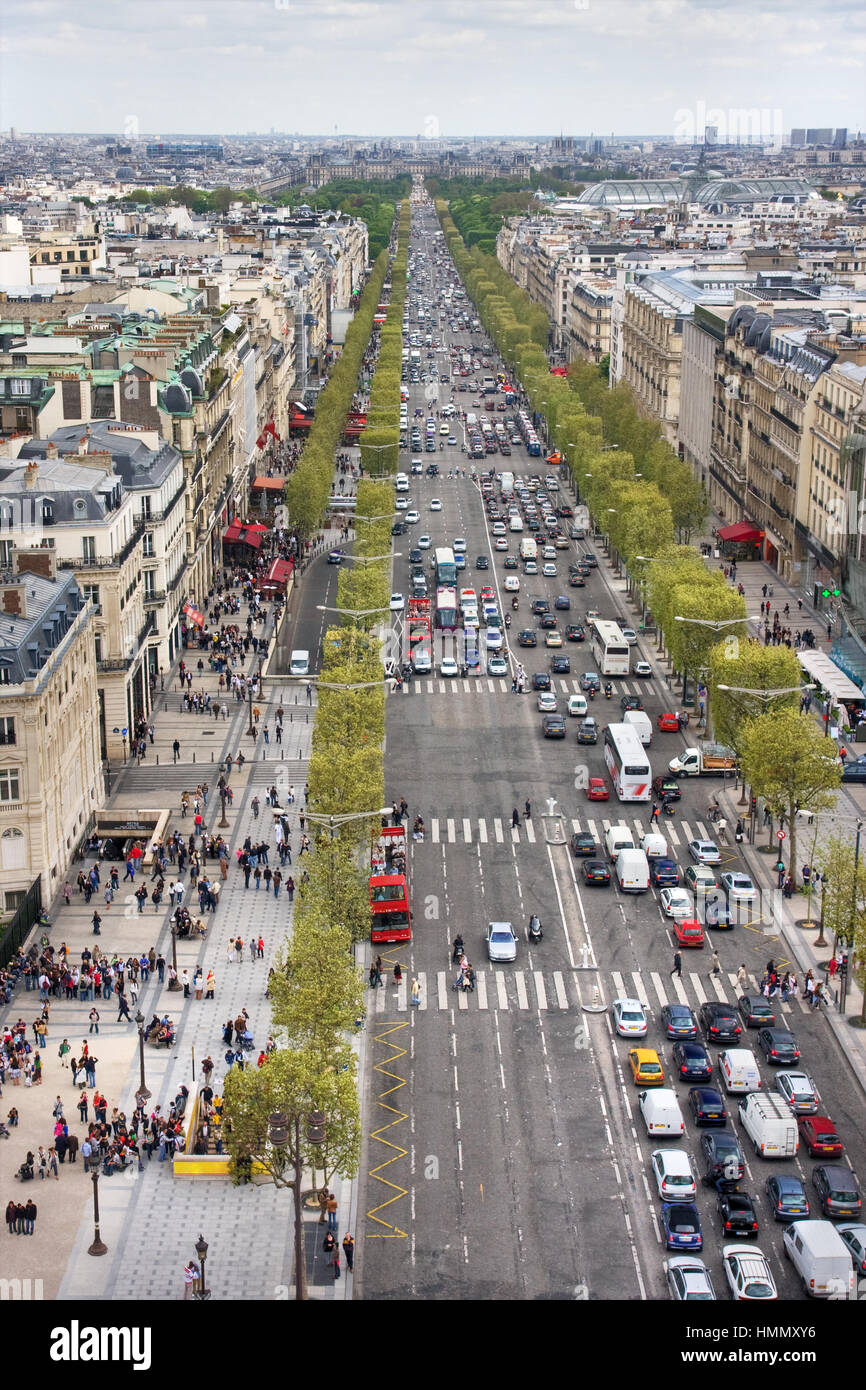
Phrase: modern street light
(174,982)
(202,1293)
(368,559)
(352,612)
(716,624)
(341,818)
(97,1245)
(142,1095)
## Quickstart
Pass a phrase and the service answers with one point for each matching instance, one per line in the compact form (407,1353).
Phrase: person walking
(741,977)
(331,1208)
(123,1009)
(190,1274)
(716,966)
(175,748)
(678,965)
(415,994)
(349,1251)
(211,985)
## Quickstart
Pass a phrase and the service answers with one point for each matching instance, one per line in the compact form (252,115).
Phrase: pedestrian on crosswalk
(415,994)
(717,965)
(515,819)
(678,965)
(741,977)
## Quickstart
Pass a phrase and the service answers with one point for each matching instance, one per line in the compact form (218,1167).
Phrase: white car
(674,1179)
(549,571)
(512,584)
(493,639)
(630,635)
(643,668)
(629,1018)
(396,603)
(548,552)
(499,529)
(530,567)
(459,546)
(748,1273)
(497,666)
(546,702)
(435,504)
(500,543)
(401,503)
(739,888)
(424,542)
(689,1279)
(501,942)
(448,667)
(704,852)
(413,517)
(676,902)
(470,615)
(443,429)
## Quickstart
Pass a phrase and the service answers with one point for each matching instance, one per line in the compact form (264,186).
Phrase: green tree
(317,991)
(786,761)
(697,609)
(749,665)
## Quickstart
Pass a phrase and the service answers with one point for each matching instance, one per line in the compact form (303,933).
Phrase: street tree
(786,761)
(749,665)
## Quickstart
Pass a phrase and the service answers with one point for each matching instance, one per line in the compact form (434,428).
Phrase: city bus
(627,763)
(446,570)
(391,916)
(446,619)
(610,650)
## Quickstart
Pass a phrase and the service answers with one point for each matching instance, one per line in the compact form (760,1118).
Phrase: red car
(688,932)
(597,790)
(670,723)
(819,1136)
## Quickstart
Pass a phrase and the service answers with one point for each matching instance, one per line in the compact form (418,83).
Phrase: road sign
(780,834)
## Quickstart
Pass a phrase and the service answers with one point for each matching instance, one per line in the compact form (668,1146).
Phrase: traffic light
(754,806)
(830,593)
(843,964)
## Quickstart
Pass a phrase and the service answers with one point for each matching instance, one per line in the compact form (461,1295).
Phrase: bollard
(193,755)
(157,760)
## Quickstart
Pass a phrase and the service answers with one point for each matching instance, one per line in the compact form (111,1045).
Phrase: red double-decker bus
(389,887)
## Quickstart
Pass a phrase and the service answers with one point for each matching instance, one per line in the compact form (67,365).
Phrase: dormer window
(47,511)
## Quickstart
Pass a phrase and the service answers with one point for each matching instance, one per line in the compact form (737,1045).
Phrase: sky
(428,68)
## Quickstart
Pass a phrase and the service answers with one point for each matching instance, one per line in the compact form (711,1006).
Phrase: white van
(401,482)
(528,549)
(299,663)
(654,846)
(619,837)
(641,723)
(577,706)
(632,871)
(769,1123)
(515,524)
(471,420)
(820,1257)
(739,1070)
(661,1113)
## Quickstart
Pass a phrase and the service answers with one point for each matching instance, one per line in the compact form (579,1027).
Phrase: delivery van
(820,1257)
(654,846)
(632,871)
(739,1070)
(299,663)
(641,723)
(577,706)
(528,549)
(770,1124)
(619,837)
(661,1113)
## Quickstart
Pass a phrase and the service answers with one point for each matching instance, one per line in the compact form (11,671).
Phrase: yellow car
(553,639)
(646,1069)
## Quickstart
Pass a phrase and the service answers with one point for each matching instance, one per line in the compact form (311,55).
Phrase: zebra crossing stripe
(481,986)
(530,832)
(490,685)
(501,992)
(434,831)
(482,831)
(559,986)
(639,990)
(515,835)
(677,983)
(466,686)
(430,687)
(467,831)
(463,998)
(380,1000)
(618,986)
(699,989)
(522,996)
(563,685)
(422,981)
(687,831)
(715,981)
(441,989)
(575,825)
(497,830)
(540,991)
(658,986)
(442,687)
(672,835)
(401,997)
(452,834)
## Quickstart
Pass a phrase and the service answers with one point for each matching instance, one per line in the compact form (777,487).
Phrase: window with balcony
(10,789)
(148,548)
(7,730)
(88,547)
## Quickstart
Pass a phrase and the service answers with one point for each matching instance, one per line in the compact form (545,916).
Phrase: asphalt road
(507,1156)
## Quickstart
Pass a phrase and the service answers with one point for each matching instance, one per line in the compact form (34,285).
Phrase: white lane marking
(434,831)
(422,981)
(452,833)
(522,996)
(497,830)
(501,992)
(530,832)
(482,831)
(441,989)
(540,991)
(481,986)
(559,986)
(467,831)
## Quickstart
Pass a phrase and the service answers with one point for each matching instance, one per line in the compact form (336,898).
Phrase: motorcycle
(515,603)
(508,620)
(608,690)
(667,807)
(534,931)
(592,692)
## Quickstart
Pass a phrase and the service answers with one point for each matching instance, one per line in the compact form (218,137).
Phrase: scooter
(608,691)
(515,603)
(508,620)
(534,931)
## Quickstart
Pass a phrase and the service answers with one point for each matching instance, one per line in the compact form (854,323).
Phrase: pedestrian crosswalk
(500,685)
(506,990)
(498,830)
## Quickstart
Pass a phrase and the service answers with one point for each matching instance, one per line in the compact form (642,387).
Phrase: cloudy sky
(418,67)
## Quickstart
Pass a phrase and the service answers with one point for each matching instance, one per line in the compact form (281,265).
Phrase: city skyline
(361,70)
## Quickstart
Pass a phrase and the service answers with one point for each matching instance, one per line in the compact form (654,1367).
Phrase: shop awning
(264,484)
(822,668)
(742,531)
(278,575)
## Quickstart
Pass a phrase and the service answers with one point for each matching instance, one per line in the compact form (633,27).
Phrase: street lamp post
(97,1245)
(716,624)
(278,1136)
(843,981)
(174,982)
(202,1293)
(142,1095)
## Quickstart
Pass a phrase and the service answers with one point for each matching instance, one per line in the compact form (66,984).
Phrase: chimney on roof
(13,598)
(51,450)
(39,559)
(31,474)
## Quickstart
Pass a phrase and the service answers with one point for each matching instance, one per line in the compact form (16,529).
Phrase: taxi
(646,1068)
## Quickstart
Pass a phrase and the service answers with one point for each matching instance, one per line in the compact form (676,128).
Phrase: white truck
(820,1257)
(770,1124)
(709,760)
(507,484)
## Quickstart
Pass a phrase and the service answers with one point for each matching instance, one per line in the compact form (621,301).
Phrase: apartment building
(588,317)
(50,759)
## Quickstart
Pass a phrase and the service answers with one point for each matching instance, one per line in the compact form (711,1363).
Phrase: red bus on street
(389,887)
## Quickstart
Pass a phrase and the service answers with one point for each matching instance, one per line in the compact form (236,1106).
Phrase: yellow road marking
(393,1083)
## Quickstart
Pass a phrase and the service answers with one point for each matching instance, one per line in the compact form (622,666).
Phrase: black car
(575,633)
(837,1191)
(510,563)
(553,726)
(540,605)
(574,568)
(540,680)
(779,1046)
(737,1214)
(587,731)
(399,528)
(416,556)
(855,769)
(482,562)
(582,843)
(787,1197)
(707,1106)
(562,601)
(666,788)
(722,1160)
(548,621)
(527,638)
(720,1022)
(432,470)
(577,581)
(560,665)
(755,1011)
(589,559)
(595,871)
(692,1061)
(715,911)
(678,1021)
(628,702)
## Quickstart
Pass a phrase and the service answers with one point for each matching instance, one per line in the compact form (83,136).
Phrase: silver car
(501,942)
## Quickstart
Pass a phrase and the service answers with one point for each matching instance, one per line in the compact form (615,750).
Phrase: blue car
(681,1224)
(678,1021)
(787,1197)
(692,1061)
(664,873)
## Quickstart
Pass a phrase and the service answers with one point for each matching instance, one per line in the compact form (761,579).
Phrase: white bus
(610,650)
(627,763)
(446,568)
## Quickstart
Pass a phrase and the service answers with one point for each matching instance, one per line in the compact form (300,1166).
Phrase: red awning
(239,534)
(741,531)
(265,484)
(278,575)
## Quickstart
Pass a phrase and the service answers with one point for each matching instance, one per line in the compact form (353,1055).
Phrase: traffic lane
(318,589)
